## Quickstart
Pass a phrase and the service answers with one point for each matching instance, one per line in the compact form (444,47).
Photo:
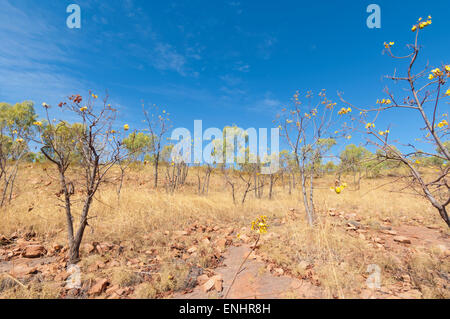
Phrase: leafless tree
(93,140)
(423,98)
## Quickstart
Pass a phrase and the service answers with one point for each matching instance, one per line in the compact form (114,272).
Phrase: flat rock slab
(253,281)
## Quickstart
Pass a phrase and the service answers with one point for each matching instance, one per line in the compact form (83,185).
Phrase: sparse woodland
(111,199)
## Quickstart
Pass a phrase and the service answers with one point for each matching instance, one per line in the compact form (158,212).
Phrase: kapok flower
(38,123)
(443,123)
(421,24)
(447,93)
(384,101)
(344,111)
(388,45)
(260,225)
(369,125)
(126,127)
(83,109)
(338,189)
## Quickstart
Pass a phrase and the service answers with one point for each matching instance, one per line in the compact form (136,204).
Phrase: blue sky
(225,62)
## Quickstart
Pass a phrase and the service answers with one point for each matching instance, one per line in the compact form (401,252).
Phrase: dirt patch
(254,281)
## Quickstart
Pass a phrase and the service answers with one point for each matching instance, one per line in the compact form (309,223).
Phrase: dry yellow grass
(143,216)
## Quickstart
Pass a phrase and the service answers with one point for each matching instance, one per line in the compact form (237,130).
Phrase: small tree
(136,145)
(16,129)
(423,99)
(158,125)
(307,129)
(354,159)
(93,137)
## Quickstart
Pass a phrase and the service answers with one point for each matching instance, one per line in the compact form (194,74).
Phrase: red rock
(207,286)
(279,271)
(221,243)
(34,251)
(218,285)
(202,279)
(402,239)
(22,270)
(89,248)
(192,250)
(98,287)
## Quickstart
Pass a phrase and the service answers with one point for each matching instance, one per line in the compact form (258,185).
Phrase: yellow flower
(260,225)
(126,127)
(369,125)
(94,96)
(83,109)
(384,101)
(443,123)
(338,190)
(381,133)
(45,105)
(414,28)
(447,93)
(38,123)
(20,140)
(447,68)
(388,45)
(437,72)
(344,111)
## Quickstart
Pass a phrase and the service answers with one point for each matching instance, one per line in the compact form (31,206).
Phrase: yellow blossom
(443,123)
(126,127)
(447,93)
(260,225)
(38,123)
(83,109)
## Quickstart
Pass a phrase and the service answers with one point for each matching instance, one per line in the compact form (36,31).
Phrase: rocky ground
(29,264)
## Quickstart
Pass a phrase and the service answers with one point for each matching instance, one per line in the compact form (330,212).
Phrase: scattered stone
(411,294)
(221,243)
(389,232)
(354,223)
(244,238)
(180,233)
(22,270)
(98,287)
(202,279)
(34,251)
(192,250)
(279,271)
(402,239)
(89,248)
(207,286)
